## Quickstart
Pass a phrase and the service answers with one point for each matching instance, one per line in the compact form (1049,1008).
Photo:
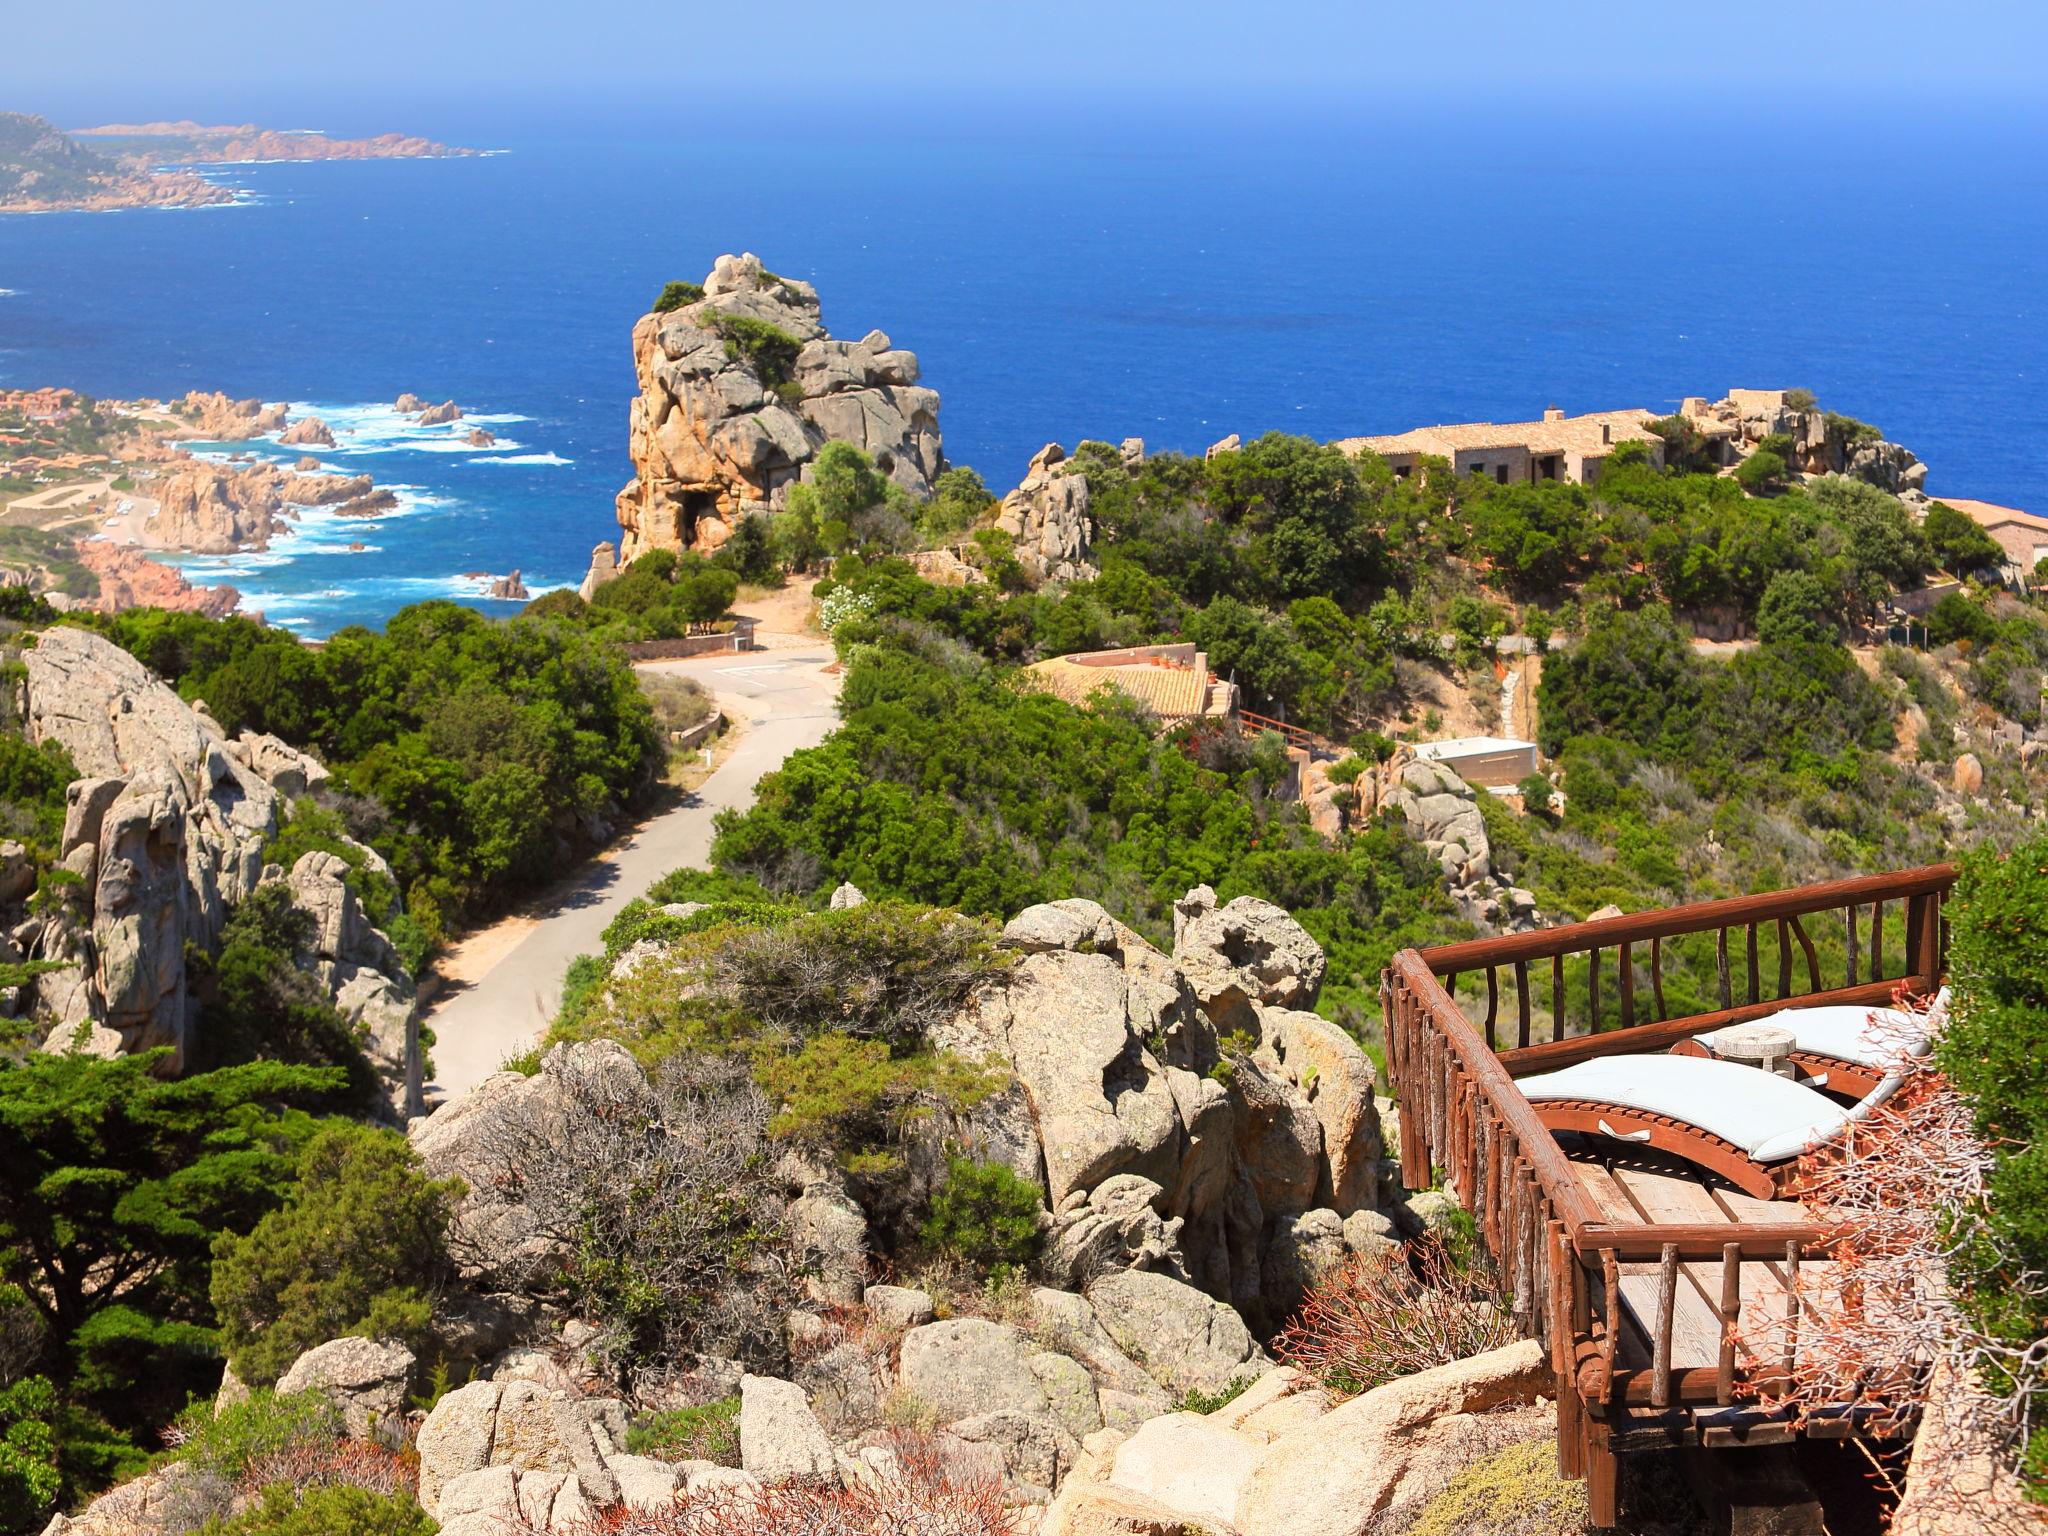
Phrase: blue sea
(1166,268)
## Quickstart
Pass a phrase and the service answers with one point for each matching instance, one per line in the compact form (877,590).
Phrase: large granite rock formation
(1187,1110)
(1048,519)
(716,437)
(164,832)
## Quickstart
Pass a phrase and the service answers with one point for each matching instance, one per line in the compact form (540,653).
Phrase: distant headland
(44,169)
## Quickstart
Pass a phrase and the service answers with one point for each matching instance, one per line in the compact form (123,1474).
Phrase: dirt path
(506,984)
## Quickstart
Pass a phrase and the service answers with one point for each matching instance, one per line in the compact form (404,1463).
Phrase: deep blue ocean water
(1174,271)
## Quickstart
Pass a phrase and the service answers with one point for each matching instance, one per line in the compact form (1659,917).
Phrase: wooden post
(1731,1318)
(1522,1003)
(1600,1474)
(1610,1335)
(1667,1301)
(1628,986)
(1791,1312)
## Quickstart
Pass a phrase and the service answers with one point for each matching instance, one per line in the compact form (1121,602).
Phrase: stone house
(1558,447)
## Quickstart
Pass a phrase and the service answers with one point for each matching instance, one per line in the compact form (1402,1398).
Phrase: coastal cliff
(43,171)
(739,389)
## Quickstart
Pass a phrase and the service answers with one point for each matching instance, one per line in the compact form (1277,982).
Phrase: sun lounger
(1847,1048)
(1747,1125)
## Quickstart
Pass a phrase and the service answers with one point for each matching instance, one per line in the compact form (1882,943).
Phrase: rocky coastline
(189,143)
(116,166)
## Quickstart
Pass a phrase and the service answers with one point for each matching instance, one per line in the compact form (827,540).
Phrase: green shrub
(227,1444)
(1956,618)
(264,1006)
(1195,1400)
(1958,541)
(768,349)
(676,294)
(884,970)
(360,1247)
(708,1432)
(561,603)
(335,1510)
(1761,473)
(985,1214)
(854,1098)
(582,983)
(1797,607)
(1800,400)
(29,1479)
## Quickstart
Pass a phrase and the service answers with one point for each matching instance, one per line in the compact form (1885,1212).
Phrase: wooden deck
(1671,1301)
(1646,1188)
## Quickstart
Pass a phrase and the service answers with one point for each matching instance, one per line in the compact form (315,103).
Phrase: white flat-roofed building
(1490,762)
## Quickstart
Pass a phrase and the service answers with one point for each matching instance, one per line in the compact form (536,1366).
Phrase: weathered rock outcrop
(440,415)
(1822,443)
(130,579)
(525,1429)
(1442,813)
(1281,1461)
(307,431)
(1187,1110)
(165,832)
(365,1378)
(216,508)
(213,417)
(1047,516)
(716,436)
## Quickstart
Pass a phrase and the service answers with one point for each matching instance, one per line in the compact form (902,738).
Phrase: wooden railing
(1559,1259)
(1558,975)
(1293,735)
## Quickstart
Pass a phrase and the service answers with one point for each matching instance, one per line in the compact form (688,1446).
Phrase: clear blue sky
(97,58)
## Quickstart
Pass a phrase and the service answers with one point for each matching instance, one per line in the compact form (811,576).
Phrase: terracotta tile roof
(1991,515)
(1168,688)
(1569,435)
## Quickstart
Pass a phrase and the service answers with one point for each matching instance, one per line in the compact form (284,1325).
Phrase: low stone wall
(739,638)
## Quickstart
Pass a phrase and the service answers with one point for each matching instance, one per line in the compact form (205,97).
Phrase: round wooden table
(1757,1045)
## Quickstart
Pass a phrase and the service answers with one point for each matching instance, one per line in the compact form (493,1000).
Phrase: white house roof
(1469,746)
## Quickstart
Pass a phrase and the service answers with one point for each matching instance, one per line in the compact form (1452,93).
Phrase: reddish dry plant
(334,1463)
(1406,1310)
(919,1498)
(1907,1188)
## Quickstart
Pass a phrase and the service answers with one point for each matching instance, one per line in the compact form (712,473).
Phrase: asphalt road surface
(789,703)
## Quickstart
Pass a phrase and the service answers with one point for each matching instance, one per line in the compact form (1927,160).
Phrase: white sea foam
(380,428)
(521,458)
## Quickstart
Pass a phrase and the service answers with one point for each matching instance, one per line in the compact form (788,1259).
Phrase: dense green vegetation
(359,1247)
(948,784)
(117,1183)
(473,755)
(1993,1050)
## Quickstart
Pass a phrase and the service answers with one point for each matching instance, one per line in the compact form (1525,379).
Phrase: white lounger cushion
(1771,1118)
(1853,1032)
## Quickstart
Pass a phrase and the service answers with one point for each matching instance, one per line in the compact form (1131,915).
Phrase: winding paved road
(790,703)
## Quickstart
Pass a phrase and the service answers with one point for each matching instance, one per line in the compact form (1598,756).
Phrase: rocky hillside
(164,835)
(43,171)
(739,388)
